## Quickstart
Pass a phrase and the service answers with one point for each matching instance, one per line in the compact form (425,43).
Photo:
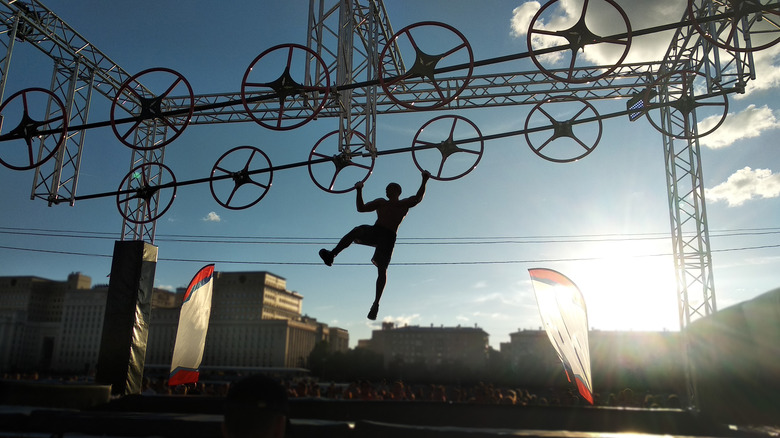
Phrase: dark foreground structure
(736,358)
(734,354)
(87,410)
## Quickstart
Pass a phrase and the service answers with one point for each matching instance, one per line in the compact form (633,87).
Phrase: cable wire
(456,240)
(456,263)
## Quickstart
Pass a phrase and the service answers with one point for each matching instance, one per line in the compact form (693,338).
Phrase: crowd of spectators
(483,393)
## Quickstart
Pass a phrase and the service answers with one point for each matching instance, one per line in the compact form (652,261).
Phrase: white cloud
(521,18)
(521,22)
(602,19)
(502,299)
(747,124)
(480,285)
(645,14)
(744,185)
(212,217)
(494,316)
(402,320)
(167,287)
(487,298)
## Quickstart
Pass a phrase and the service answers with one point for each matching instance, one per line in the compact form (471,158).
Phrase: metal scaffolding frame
(347,35)
(79,70)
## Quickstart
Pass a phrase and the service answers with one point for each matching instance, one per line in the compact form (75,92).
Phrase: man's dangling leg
(381,281)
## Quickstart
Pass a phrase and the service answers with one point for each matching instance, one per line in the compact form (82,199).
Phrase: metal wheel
(238,187)
(151,111)
(448,147)
(144,190)
(746,26)
(554,137)
(574,42)
(290,99)
(420,87)
(336,169)
(37,116)
(689,116)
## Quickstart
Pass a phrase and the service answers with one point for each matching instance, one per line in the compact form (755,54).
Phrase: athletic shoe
(326,257)
(372,313)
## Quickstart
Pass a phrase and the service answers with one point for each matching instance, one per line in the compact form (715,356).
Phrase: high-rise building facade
(81,329)
(30,316)
(432,346)
(255,321)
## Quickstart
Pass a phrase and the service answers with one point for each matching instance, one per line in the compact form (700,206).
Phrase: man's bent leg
(353,235)
(359,234)
(344,242)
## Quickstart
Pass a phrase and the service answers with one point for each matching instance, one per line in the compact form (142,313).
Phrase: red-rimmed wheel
(448,147)
(689,116)
(433,46)
(560,129)
(146,193)
(143,113)
(241,176)
(26,111)
(336,168)
(745,26)
(290,99)
(563,46)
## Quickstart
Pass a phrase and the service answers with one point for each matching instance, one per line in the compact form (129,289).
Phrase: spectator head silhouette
(256,406)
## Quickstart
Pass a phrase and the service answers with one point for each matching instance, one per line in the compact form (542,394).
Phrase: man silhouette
(390,213)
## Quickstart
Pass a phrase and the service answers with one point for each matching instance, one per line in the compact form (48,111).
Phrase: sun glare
(627,289)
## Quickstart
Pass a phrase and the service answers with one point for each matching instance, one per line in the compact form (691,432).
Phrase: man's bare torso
(391,213)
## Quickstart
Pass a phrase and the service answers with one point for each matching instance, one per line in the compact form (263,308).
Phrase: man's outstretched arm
(361,206)
(418,197)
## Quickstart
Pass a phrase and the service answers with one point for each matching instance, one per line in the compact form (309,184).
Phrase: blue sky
(463,254)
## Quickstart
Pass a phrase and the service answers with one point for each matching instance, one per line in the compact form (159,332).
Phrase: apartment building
(432,346)
(56,326)
(255,322)
(617,358)
(30,316)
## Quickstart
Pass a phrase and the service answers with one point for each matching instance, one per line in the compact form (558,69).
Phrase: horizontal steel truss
(492,90)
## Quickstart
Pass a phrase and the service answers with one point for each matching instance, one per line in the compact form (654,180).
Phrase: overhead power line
(441,240)
(475,262)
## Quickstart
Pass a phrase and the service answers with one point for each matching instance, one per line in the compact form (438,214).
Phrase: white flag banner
(193,325)
(565,318)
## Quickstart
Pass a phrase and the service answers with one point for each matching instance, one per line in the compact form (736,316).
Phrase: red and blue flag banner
(193,325)
(565,319)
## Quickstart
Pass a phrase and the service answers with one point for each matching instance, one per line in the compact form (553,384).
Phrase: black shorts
(380,238)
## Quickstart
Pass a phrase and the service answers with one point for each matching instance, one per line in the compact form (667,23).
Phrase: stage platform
(31,410)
